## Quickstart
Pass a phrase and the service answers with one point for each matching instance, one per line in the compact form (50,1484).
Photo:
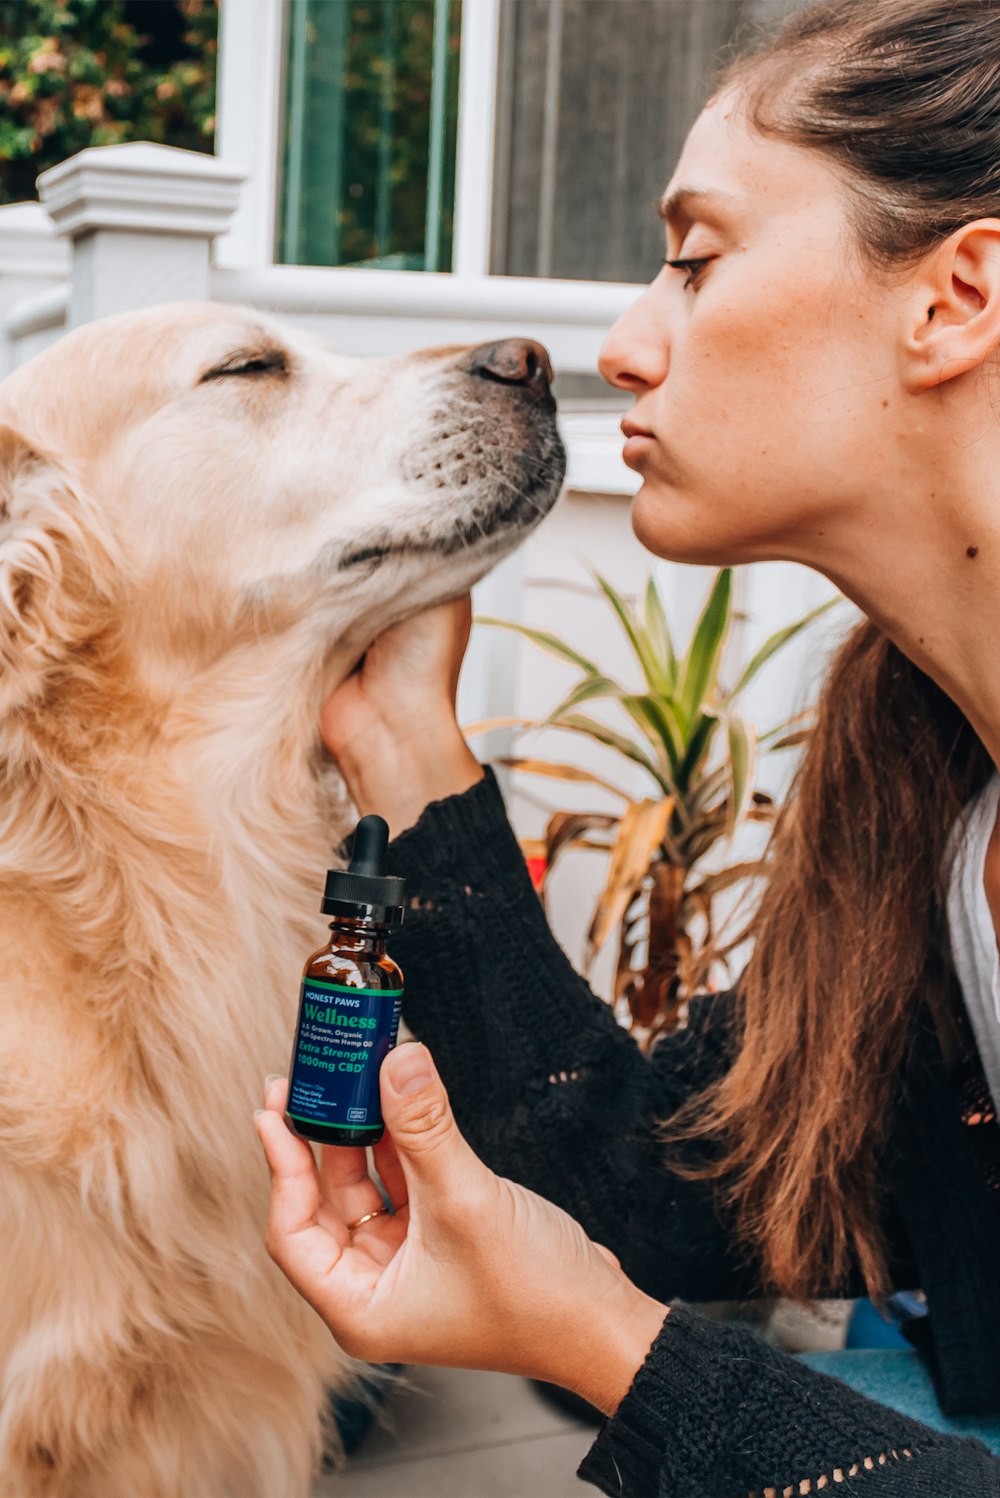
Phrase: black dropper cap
(364,889)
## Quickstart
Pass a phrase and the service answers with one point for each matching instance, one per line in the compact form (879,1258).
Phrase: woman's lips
(636,446)
(637,440)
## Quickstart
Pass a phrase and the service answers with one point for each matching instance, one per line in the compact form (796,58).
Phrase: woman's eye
(693,268)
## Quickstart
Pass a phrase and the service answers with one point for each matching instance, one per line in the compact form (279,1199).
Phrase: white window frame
(248,128)
(248,124)
(477,102)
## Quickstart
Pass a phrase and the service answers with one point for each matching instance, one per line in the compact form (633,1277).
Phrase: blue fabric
(867,1328)
(900,1380)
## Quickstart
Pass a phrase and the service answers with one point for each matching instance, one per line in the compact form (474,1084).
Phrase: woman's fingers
(276,1093)
(304,1249)
(294,1183)
(390,1171)
(345,1182)
(346,1191)
(382,1238)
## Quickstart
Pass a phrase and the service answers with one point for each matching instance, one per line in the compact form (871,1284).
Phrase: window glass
(370,117)
(595,98)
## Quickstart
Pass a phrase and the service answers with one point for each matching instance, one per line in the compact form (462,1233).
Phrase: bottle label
(343,1036)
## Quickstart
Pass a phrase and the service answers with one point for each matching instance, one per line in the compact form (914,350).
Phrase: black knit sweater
(551,1092)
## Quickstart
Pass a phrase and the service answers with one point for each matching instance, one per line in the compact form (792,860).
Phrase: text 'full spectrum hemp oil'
(349,1005)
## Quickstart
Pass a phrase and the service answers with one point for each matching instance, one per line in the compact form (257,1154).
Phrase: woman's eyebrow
(677,206)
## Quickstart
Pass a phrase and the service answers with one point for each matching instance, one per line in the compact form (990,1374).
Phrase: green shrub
(76,73)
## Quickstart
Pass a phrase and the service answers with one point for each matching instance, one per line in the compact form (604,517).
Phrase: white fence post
(141,219)
(33,259)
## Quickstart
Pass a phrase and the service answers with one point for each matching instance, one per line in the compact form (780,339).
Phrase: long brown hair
(904,97)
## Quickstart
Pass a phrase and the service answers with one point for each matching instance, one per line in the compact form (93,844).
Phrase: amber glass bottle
(350,1001)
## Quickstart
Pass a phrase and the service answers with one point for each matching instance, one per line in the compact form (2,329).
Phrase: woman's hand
(391,725)
(470,1271)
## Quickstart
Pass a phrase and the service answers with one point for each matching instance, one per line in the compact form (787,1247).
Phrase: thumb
(418,1115)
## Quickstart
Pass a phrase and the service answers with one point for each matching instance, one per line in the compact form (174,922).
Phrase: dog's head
(204,477)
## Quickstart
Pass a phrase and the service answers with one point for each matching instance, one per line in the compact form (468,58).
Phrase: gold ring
(367,1218)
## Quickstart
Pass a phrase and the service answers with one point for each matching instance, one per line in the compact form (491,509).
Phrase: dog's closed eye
(256,362)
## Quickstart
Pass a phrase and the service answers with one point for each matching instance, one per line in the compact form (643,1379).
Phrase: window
(593,101)
(595,98)
(370,115)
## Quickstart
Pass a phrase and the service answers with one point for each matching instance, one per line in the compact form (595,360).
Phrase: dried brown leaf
(713,884)
(640,833)
(557,772)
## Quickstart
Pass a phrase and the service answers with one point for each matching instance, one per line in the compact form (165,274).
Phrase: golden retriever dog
(205,519)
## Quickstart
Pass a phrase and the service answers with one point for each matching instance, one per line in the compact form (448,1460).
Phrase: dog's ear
(55,569)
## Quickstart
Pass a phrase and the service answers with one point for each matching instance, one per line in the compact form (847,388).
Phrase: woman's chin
(674,527)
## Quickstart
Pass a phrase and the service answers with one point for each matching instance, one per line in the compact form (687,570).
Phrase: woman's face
(765,374)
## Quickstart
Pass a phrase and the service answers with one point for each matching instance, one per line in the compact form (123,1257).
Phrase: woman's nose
(635,352)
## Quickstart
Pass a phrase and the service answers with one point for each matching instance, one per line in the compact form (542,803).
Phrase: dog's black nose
(514,361)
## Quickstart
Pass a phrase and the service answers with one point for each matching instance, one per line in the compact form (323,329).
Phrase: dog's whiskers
(523,495)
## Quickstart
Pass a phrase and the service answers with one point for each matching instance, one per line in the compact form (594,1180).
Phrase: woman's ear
(56,570)
(954,310)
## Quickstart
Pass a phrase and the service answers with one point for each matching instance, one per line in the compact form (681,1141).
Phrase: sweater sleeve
(714,1412)
(546,1085)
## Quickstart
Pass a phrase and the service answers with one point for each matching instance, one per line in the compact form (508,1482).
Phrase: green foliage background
(76,73)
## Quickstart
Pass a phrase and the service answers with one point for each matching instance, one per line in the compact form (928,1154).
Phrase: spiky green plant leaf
(579,723)
(545,641)
(657,718)
(742,759)
(634,632)
(698,744)
(775,642)
(700,665)
(585,691)
(660,638)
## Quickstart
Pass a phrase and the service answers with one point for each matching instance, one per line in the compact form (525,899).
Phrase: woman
(813,374)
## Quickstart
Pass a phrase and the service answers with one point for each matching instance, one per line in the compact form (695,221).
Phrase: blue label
(343,1035)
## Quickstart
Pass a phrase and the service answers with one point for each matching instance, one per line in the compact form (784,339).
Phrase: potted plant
(699,756)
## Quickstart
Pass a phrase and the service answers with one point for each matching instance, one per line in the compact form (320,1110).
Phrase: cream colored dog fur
(204,520)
